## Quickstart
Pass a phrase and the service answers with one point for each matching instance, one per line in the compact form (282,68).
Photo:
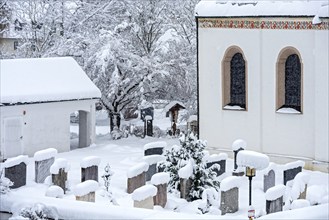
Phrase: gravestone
(89,173)
(274,205)
(152,161)
(161,197)
(60,179)
(229,201)
(185,185)
(136,182)
(42,169)
(85,191)
(269,180)
(290,174)
(90,197)
(17,174)
(151,171)
(302,195)
(222,166)
(160,180)
(143,197)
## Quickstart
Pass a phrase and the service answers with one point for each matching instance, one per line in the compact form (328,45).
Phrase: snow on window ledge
(288,111)
(234,107)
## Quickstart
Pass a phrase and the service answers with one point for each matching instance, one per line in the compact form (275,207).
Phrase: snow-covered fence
(230,194)
(43,161)
(59,172)
(217,162)
(274,198)
(89,168)
(143,197)
(184,174)
(237,146)
(291,170)
(152,161)
(154,148)
(299,187)
(136,176)
(15,170)
(85,191)
(160,181)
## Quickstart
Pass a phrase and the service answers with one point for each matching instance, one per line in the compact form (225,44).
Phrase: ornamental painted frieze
(263,23)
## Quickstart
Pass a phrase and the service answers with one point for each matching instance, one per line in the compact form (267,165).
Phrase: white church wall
(301,135)
(46,125)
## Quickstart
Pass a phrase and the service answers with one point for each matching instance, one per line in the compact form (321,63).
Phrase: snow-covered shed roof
(38,80)
(250,8)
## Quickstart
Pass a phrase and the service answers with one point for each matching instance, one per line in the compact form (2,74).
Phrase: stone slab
(229,201)
(274,206)
(17,174)
(42,169)
(145,204)
(90,197)
(269,180)
(151,171)
(290,174)
(89,173)
(136,182)
(153,151)
(161,197)
(60,179)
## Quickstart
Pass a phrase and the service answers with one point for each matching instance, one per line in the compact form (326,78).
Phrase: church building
(263,76)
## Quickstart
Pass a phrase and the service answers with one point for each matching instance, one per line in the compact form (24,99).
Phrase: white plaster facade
(304,135)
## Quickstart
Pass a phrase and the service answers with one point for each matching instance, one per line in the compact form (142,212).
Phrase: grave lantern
(252,161)
(147,117)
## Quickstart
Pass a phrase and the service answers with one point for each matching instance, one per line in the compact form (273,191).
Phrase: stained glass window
(293,82)
(238,85)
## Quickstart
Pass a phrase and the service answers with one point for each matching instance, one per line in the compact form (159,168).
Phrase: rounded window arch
(234,79)
(289,78)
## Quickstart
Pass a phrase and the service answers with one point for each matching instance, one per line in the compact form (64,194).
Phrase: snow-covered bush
(138,131)
(190,149)
(5,183)
(38,211)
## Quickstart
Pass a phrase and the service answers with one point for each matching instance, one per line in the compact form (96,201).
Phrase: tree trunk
(115,120)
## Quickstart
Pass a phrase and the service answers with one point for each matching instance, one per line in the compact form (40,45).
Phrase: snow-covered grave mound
(215,157)
(45,154)
(15,161)
(85,187)
(90,161)
(60,163)
(55,191)
(293,165)
(275,192)
(300,203)
(186,171)
(160,178)
(153,159)
(230,183)
(239,144)
(252,159)
(137,169)
(144,192)
(157,144)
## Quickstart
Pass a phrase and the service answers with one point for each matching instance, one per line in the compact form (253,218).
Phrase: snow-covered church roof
(248,8)
(44,80)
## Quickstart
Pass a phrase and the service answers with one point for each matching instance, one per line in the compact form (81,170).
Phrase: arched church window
(289,82)
(234,80)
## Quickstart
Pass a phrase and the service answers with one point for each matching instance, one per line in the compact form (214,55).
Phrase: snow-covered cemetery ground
(125,153)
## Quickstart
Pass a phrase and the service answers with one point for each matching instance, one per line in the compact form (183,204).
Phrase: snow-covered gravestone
(43,161)
(136,176)
(237,146)
(217,162)
(143,197)
(230,194)
(15,170)
(192,124)
(291,170)
(59,172)
(152,161)
(160,181)
(299,187)
(184,174)
(274,198)
(89,168)
(154,148)
(269,177)
(85,191)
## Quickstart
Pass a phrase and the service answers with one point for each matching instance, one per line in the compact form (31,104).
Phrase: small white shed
(37,97)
